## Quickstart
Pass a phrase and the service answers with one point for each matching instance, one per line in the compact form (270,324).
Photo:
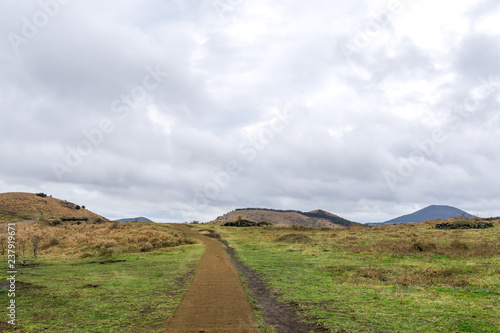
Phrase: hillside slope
(316,218)
(433,212)
(16,206)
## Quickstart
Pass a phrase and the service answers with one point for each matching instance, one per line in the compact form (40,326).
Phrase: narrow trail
(216,300)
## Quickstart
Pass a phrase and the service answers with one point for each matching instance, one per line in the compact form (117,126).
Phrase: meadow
(109,277)
(402,278)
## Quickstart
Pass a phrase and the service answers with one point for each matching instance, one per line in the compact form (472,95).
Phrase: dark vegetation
(464,224)
(74,219)
(245,223)
(491,218)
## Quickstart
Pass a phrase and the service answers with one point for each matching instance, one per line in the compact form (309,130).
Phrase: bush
(146,247)
(301,228)
(55,221)
(115,225)
(421,247)
(43,195)
(458,245)
(52,241)
(464,224)
(245,223)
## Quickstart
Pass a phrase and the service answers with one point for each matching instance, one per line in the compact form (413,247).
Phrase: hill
(316,218)
(17,206)
(135,219)
(433,212)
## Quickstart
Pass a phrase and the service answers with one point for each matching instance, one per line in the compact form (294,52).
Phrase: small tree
(22,245)
(2,241)
(77,207)
(35,241)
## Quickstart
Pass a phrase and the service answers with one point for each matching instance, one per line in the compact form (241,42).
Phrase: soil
(216,300)
(283,317)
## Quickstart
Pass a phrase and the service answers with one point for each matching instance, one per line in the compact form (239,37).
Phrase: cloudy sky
(182,110)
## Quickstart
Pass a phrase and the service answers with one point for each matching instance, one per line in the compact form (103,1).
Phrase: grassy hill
(316,218)
(18,206)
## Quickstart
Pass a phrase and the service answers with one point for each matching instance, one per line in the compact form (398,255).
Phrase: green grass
(373,280)
(81,295)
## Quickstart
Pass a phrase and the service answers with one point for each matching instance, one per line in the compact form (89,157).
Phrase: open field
(130,277)
(100,278)
(405,278)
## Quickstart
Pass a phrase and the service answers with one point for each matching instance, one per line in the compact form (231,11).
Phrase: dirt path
(216,300)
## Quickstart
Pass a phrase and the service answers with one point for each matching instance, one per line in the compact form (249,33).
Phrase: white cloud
(356,116)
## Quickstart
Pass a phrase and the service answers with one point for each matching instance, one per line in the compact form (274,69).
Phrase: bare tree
(20,249)
(2,240)
(35,241)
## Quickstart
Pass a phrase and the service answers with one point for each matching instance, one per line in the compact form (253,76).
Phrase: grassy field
(100,278)
(406,278)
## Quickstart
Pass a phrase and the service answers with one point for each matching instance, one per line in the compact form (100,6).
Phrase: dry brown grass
(19,206)
(87,240)
(417,239)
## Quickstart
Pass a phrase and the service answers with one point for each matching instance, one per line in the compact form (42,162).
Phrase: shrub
(115,225)
(301,228)
(52,241)
(43,195)
(458,245)
(245,223)
(55,221)
(420,247)
(464,224)
(146,247)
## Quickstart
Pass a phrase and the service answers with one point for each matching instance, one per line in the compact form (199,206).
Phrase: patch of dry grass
(418,238)
(87,240)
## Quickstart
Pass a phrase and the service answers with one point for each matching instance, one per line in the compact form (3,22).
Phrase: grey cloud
(478,55)
(229,75)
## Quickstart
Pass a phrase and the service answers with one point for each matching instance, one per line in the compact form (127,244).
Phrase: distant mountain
(433,212)
(17,206)
(316,218)
(133,219)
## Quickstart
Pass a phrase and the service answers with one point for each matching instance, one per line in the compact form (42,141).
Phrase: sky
(185,110)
